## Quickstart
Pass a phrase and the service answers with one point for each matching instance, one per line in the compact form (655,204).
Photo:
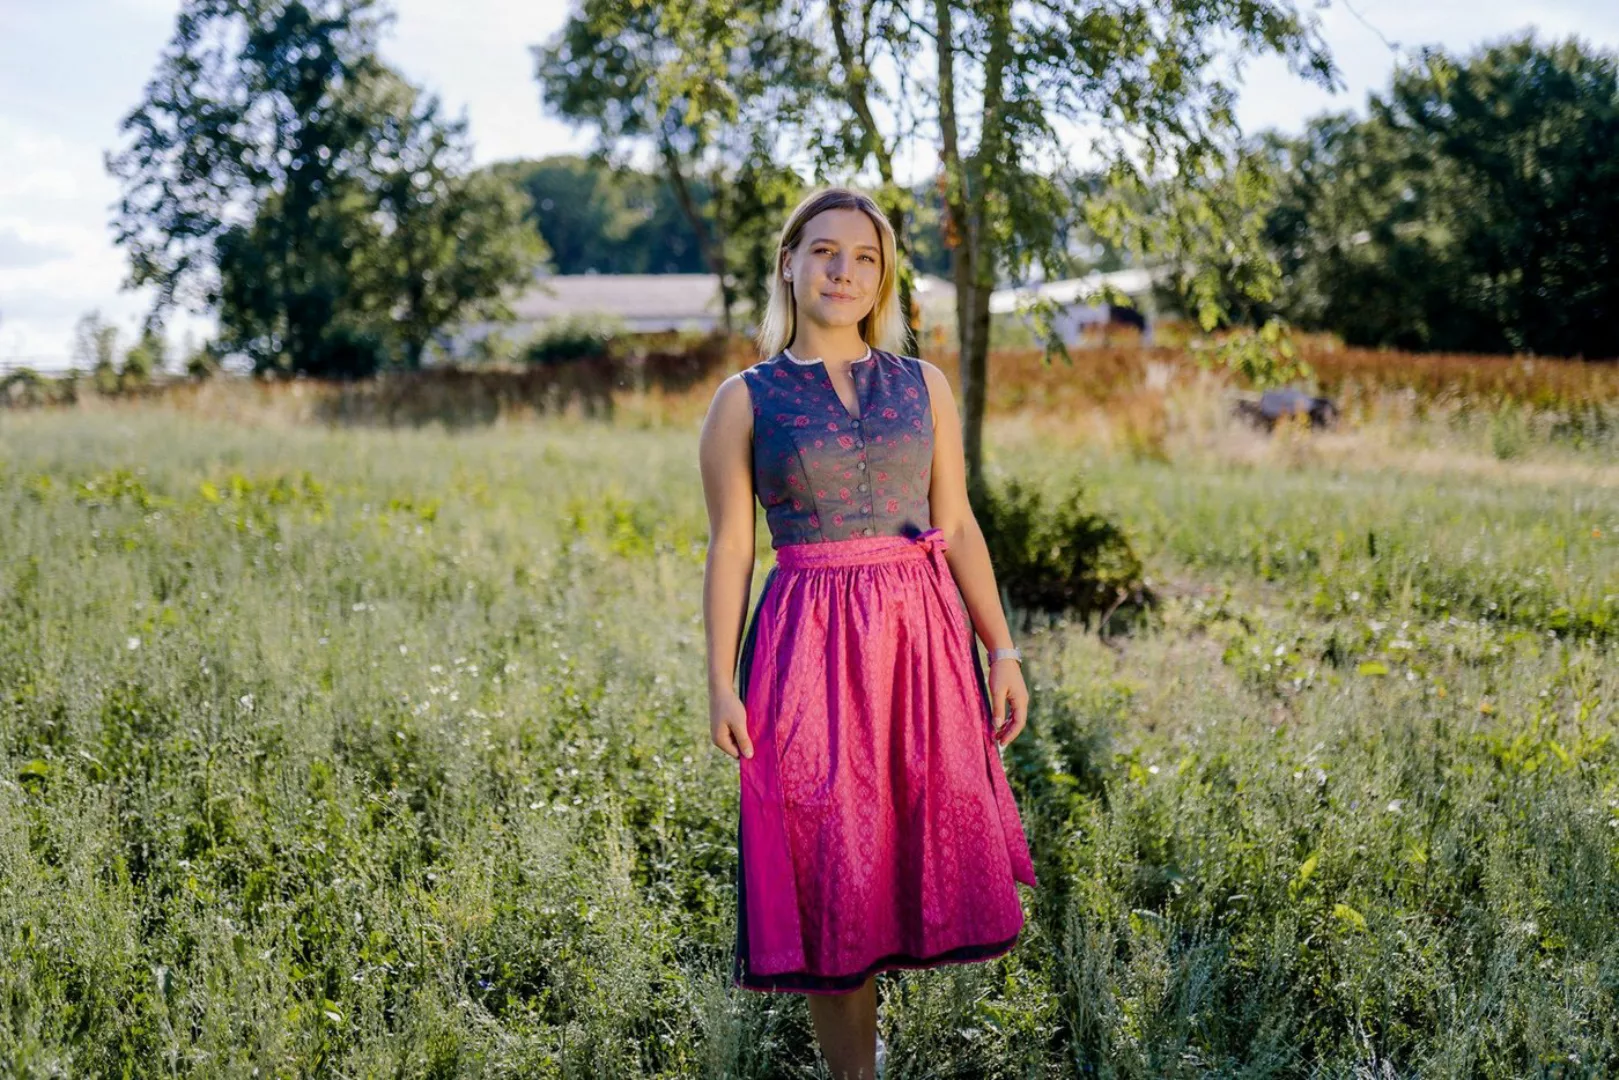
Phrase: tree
(1152,78)
(1523,138)
(1152,81)
(1471,209)
(95,343)
(279,172)
(697,80)
(598,219)
(146,357)
(452,241)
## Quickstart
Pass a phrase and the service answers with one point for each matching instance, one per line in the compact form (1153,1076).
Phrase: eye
(869,258)
(822,250)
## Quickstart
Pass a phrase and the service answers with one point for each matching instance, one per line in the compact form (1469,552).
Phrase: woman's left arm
(968,556)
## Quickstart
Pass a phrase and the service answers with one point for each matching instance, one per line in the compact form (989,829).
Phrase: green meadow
(360,752)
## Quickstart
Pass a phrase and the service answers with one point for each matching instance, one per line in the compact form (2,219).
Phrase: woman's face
(836,269)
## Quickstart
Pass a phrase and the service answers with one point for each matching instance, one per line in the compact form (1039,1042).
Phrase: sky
(71,69)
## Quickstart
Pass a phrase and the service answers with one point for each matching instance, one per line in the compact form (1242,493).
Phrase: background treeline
(280,175)
(1475,208)
(597,219)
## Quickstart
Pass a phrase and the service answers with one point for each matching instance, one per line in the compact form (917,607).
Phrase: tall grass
(384,752)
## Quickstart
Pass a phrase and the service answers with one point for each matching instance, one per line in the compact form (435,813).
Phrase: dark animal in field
(1263,412)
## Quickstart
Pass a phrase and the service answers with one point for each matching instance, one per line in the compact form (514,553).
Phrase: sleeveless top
(822,474)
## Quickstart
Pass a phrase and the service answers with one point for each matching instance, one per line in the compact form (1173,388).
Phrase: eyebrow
(834,243)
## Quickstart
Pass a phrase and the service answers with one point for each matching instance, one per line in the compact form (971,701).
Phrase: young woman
(876,827)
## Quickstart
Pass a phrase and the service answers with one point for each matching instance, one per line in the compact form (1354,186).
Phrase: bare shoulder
(732,406)
(938,384)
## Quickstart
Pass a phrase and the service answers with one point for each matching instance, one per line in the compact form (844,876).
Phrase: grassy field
(369,752)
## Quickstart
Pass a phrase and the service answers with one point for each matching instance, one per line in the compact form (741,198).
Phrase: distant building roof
(630,296)
(1134,283)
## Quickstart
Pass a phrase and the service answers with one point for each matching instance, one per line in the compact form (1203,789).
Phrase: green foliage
(383,753)
(146,357)
(702,83)
(95,348)
(1468,212)
(202,362)
(1059,556)
(573,337)
(598,219)
(1261,359)
(280,174)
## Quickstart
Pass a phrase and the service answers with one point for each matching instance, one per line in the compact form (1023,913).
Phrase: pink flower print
(801,421)
(881,476)
(907,438)
(846,441)
(820,493)
(848,475)
(797,505)
(917,423)
(815,521)
(889,414)
(892,506)
(819,443)
(831,425)
(843,493)
(809,374)
(794,481)
(837,519)
(911,392)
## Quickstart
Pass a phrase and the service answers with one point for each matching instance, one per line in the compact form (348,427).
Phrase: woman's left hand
(1009,699)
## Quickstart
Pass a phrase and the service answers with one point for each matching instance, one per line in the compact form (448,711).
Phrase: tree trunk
(713,253)
(852,57)
(968,207)
(962,250)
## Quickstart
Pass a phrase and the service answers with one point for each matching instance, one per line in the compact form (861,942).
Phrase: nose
(839,268)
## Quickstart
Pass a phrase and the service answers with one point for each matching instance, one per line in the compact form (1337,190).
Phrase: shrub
(1061,556)
(574,337)
(347,352)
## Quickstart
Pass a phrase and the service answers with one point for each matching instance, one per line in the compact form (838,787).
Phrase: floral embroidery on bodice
(824,474)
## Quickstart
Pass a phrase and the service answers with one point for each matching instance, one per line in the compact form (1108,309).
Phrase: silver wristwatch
(1005,654)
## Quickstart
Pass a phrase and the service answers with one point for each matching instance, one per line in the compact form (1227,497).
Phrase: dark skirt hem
(799,982)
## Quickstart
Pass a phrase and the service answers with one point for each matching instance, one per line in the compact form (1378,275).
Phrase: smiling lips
(837,296)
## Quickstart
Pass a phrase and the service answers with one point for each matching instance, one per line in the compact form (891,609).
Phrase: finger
(1014,727)
(744,742)
(722,739)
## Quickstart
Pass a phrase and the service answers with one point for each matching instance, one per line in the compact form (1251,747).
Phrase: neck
(836,346)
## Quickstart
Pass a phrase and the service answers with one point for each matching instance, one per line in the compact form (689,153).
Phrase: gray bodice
(822,474)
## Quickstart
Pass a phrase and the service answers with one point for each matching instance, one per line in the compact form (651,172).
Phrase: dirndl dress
(876,829)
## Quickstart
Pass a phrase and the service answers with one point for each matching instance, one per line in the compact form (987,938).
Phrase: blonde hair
(883,327)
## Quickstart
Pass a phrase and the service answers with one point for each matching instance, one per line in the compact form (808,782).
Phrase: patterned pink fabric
(876,822)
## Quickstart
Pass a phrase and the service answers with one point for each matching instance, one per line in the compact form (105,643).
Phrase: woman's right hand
(728,723)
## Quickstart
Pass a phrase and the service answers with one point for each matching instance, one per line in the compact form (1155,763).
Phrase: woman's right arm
(725,453)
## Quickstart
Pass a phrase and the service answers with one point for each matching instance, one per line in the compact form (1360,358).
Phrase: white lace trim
(818,360)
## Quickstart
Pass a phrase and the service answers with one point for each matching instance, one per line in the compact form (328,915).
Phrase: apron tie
(933,542)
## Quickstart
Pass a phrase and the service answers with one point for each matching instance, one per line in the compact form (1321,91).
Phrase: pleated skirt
(876,829)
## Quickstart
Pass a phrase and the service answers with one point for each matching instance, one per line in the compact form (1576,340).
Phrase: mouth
(845,297)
